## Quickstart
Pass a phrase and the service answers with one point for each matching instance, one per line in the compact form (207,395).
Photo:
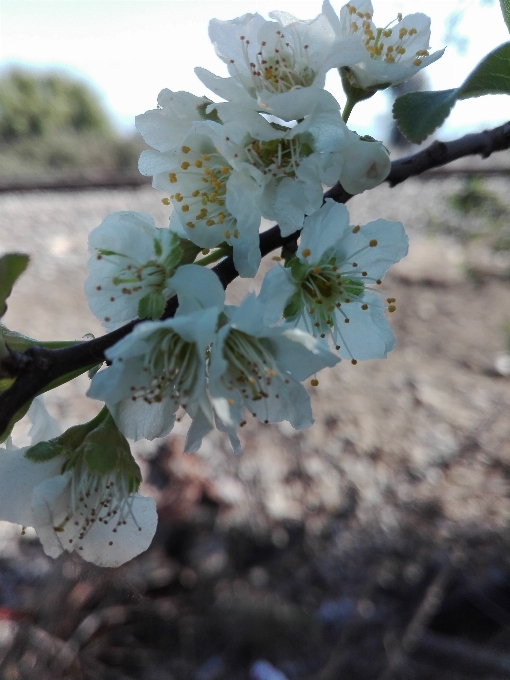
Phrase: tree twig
(37,367)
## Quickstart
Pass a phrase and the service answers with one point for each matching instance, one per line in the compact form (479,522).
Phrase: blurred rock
(262,670)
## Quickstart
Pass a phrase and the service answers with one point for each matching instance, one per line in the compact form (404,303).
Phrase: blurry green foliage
(51,123)
(37,105)
(475,198)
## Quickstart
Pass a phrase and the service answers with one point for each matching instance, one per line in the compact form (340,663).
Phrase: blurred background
(374,545)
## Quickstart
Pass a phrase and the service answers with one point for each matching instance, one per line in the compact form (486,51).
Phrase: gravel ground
(413,447)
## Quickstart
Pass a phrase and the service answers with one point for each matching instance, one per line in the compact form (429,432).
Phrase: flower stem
(349,105)
(215,255)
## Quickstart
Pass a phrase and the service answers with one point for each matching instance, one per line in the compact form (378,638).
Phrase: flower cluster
(264,152)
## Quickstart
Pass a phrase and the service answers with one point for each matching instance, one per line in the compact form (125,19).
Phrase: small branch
(38,367)
(429,606)
(441,153)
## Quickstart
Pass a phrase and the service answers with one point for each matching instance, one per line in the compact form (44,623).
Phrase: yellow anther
(165,201)
(314,382)
(206,181)
(417,62)
(198,163)
(360,15)
(196,193)
(224,170)
(306,252)
(185,149)
(391,308)
(206,157)
(372,243)
(387,32)
(220,219)
(352,10)
(275,258)
(213,196)
(220,202)
(236,233)
(172,177)
(389,49)
(185,165)
(356,229)
(354,26)
(178,197)
(205,251)
(413,31)
(226,233)
(172,196)
(389,59)
(191,225)
(367,15)
(402,33)
(210,222)
(185,208)
(400,50)
(316,270)
(422,53)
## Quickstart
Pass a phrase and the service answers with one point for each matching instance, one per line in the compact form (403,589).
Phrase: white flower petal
(100,544)
(196,287)
(18,478)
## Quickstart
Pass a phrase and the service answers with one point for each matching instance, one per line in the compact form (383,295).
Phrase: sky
(131,49)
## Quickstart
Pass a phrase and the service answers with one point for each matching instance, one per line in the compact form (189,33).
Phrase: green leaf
(151,306)
(293,307)
(12,265)
(505,8)
(189,251)
(491,76)
(20,342)
(418,114)
(43,451)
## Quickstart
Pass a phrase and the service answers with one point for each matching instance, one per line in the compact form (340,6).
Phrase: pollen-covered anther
(306,252)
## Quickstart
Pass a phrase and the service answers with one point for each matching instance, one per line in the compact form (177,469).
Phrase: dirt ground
(376,544)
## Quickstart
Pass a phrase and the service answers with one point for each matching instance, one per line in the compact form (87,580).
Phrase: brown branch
(37,367)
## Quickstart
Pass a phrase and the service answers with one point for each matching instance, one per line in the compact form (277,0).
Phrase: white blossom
(288,165)
(330,288)
(392,54)
(276,66)
(366,164)
(129,266)
(160,367)
(259,368)
(213,203)
(166,127)
(101,517)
